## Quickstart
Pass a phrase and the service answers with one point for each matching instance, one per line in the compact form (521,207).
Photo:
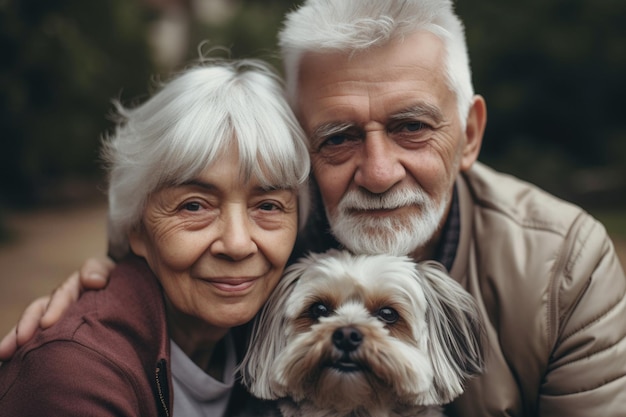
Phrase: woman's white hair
(188,124)
(353,25)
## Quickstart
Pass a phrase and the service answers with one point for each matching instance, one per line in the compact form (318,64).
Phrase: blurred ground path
(46,246)
(49,244)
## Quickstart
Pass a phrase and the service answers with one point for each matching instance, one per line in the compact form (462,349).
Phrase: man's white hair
(213,107)
(354,25)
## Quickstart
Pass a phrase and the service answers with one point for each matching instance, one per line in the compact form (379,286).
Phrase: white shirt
(196,394)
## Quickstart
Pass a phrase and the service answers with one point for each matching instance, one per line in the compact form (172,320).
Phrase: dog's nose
(347,338)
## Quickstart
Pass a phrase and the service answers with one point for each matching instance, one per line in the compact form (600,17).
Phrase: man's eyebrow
(417,111)
(328,129)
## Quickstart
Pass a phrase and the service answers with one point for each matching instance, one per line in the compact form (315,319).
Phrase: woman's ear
(136,241)
(474,130)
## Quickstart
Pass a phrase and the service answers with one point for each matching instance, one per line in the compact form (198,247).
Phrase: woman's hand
(45,311)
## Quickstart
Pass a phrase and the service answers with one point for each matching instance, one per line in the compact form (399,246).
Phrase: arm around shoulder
(587,371)
(46,311)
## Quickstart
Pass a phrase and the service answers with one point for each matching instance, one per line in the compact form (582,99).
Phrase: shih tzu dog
(346,335)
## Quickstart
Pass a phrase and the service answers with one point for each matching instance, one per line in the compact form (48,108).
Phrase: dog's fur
(346,335)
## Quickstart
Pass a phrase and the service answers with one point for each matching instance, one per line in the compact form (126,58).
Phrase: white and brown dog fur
(345,335)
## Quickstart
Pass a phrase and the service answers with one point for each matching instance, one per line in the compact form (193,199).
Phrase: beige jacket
(552,294)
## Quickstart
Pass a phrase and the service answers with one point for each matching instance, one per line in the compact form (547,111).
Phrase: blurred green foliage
(62,62)
(251,32)
(614,221)
(552,72)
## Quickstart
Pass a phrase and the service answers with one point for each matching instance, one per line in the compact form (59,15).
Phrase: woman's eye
(388,315)
(318,310)
(192,206)
(268,206)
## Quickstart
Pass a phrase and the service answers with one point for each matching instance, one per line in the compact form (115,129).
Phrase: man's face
(386,142)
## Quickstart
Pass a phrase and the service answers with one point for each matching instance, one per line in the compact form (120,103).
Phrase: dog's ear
(456,333)
(268,338)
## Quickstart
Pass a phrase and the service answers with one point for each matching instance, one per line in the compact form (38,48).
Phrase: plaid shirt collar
(451,232)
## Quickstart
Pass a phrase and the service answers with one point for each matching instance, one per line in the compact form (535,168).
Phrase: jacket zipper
(160,391)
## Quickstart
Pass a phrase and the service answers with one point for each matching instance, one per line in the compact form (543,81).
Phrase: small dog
(346,335)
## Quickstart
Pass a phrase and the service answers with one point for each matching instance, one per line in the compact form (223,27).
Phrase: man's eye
(192,206)
(414,126)
(335,140)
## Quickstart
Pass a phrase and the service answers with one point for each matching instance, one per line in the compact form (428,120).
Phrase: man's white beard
(396,234)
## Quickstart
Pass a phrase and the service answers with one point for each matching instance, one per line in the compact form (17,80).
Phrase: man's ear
(474,130)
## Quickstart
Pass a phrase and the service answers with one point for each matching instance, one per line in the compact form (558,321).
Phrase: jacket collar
(459,268)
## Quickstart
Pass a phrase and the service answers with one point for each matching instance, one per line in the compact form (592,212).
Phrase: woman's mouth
(232,284)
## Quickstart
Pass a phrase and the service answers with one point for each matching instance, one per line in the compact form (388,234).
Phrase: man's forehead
(418,57)
(385,101)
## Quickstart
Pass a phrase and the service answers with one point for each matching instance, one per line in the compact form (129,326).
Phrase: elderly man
(383,90)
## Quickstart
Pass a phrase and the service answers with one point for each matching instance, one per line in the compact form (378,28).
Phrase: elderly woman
(203,204)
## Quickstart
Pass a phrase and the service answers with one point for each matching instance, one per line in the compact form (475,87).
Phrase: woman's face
(217,245)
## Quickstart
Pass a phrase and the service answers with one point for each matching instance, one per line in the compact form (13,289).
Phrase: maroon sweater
(108,356)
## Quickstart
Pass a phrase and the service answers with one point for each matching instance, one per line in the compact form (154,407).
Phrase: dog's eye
(318,310)
(388,315)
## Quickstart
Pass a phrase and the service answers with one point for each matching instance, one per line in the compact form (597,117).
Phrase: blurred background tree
(552,72)
(63,61)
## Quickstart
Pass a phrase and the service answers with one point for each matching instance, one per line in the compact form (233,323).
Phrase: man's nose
(235,240)
(379,168)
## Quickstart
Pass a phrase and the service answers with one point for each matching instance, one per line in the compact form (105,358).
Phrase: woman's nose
(379,168)
(235,240)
